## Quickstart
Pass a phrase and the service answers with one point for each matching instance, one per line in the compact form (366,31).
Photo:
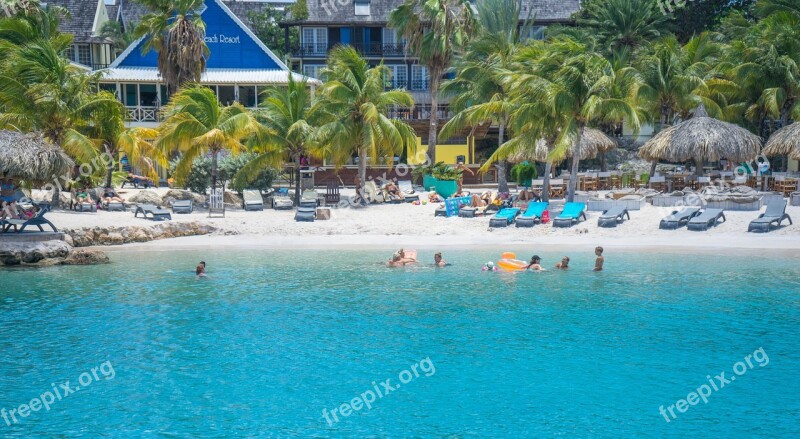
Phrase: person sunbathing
(111,196)
(82,196)
(393,191)
(526,195)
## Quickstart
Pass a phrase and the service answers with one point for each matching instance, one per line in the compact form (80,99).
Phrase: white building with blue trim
(238,67)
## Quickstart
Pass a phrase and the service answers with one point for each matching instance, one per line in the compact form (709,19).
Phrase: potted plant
(523,173)
(447,180)
(428,180)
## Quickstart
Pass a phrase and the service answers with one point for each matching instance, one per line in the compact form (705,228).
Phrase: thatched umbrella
(593,142)
(702,138)
(31,158)
(785,141)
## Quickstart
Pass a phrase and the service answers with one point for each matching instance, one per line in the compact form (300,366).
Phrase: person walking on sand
(564,264)
(200,270)
(598,264)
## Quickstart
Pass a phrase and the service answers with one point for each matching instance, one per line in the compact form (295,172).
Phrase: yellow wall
(444,153)
(793,166)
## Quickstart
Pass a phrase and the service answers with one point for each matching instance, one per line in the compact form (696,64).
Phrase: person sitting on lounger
(535,264)
(438,261)
(111,196)
(564,264)
(526,195)
(200,270)
(82,196)
(393,191)
(598,264)
(8,196)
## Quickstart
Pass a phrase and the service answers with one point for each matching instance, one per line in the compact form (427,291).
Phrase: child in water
(489,266)
(598,264)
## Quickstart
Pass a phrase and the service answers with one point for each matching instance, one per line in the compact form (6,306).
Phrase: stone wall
(123,235)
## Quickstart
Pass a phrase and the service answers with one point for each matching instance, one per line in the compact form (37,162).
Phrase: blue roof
(231,45)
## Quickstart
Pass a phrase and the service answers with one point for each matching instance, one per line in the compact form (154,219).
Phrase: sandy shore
(407,225)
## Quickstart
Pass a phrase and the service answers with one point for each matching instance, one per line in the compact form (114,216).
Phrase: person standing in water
(598,264)
(564,264)
(438,261)
(200,270)
(536,264)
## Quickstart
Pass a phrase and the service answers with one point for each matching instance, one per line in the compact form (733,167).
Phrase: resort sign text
(221,38)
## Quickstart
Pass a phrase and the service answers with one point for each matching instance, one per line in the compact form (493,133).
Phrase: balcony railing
(419,84)
(143,114)
(369,50)
(419,112)
(96,66)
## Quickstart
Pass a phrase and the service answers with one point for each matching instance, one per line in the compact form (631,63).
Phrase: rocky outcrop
(86,257)
(145,197)
(20,253)
(180,194)
(123,235)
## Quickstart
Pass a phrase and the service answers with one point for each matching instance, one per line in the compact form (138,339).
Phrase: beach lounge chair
(332,195)
(38,220)
(533,214)
(613,216)
(571,215)
(472,212)
(678,219)
(252,200)
(372,193)
(407,188)
(182,206)
(504,217)
(706,219)
(154,212)
(309,199)
(776,213)
(281,199)
(305,213)
(113,206)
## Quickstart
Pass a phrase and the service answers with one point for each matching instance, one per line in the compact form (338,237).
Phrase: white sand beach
(398,225)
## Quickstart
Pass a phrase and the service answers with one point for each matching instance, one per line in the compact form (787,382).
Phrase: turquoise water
(270,339)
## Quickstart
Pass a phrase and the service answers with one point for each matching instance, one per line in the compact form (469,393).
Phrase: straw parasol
(702,138)
(785,141)
(31,158)
(593,141)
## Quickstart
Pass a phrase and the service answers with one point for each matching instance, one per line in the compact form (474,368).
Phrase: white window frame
(315,40)
(399,77)
(419,74)
(361,8)
(312,70)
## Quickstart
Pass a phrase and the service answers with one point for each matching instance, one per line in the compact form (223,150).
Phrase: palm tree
(478,95)
(623,23)
(285,133)
(435,31)
(195,123)
(120,38)
(575,83)
(352,108)
(175,29)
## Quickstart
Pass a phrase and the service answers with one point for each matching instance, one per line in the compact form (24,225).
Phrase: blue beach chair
(571,215)
(504,217)
(532,215)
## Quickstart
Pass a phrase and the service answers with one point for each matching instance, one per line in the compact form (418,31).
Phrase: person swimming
(200,270)
(535,264)
(438,261)
(564,264)
(489,266)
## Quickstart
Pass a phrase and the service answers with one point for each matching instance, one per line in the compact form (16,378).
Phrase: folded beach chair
(408,191)
(182,206)
(38,220)
(504,217)
(305,213)
(281,199)
(533,214)
(571,215)
(613,216)
(706,219)
(154,212)
(309,199)
(776,213)
(252,200)
(678,219)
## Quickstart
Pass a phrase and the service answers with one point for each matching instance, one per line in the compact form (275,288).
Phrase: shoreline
(759,245)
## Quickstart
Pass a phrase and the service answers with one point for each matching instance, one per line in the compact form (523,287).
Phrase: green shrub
(199,178)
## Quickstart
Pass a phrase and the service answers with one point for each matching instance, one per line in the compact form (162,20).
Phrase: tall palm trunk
(546,181)
(362,168)
(433,129)
(603,162)
(576,158)
(297,180)
(109,167)
(214,154)
(502,180)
